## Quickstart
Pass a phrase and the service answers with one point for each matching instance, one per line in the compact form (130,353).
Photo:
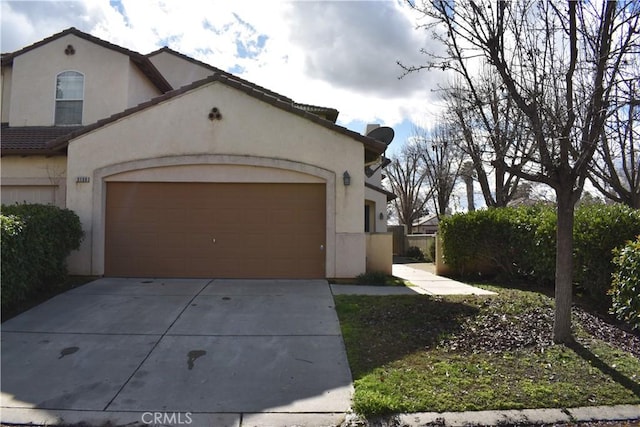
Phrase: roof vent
(215,114)
(70,50)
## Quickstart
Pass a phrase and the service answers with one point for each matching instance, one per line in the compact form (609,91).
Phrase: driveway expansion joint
(254,358)
(135,371)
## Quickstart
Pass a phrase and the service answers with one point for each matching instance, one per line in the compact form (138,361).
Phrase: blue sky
(340,54)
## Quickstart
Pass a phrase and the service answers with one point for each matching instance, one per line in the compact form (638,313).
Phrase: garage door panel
(122,241)
(304,265)
(170,241)
(200,267)
(224,217)
(215,230)
(171,215)
(196,243)
(278,217)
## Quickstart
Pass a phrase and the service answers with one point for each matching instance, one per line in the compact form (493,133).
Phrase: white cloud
(332,53)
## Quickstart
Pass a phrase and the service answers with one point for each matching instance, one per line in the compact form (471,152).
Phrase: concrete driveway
(177,352)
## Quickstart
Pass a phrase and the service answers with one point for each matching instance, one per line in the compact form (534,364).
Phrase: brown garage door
(215,230)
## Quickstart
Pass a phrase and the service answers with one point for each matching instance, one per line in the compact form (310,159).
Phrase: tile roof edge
(140,60)
(375,146)
(331,113)
(215,69)
(31,152)
(389,194)
(45,150)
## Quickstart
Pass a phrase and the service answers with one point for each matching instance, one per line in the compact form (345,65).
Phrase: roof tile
(31,139)
(52,139)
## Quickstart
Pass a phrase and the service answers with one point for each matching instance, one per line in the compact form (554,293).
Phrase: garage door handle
(213,240)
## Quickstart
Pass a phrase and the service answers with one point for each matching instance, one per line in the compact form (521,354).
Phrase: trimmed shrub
(372,278)
(431,250)
(625,291)
(416,253)
(598,230)
(36,240)
(16,274)
(521,243)
(515,241)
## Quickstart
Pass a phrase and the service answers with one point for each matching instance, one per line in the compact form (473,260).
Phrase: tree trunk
(501,197)
(443,202)
(564,267)
(471,206)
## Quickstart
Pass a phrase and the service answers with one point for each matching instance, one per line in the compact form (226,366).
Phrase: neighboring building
(426,225)
(179,169)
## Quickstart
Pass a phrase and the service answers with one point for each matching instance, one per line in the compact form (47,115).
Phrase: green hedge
(35,242)
(521,242)
(415,253)
(598,230)
(510,240)
(625,291)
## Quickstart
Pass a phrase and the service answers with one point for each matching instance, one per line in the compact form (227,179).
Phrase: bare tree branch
(559,64)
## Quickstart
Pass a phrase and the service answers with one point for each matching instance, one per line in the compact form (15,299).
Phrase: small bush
(598,230)
(521,243)
(16,274)
(36,240)
(415,253)
(625,291)
(372,278)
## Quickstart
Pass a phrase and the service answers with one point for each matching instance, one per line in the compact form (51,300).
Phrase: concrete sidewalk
(435,285)
(424,282)
(626,415)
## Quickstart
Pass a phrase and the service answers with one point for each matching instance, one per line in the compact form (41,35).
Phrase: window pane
(68,112)
(69,85)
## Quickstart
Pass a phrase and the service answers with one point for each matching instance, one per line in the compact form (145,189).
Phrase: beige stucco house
(179,169)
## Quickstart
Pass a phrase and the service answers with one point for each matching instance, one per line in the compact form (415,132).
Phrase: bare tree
(406,175)
(616,169)
(492,134)
(559,64)
(442,160)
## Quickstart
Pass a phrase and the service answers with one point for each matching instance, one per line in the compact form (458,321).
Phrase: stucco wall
(178,71)
(140,88)
(33,179)
(53,167)
(216,170)
(380,252)
(5,87)
(106,81)
(380,202)
(251,133)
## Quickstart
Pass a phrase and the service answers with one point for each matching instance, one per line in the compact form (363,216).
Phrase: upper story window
(69,98)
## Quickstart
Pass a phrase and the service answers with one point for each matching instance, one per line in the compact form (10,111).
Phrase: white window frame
(55,98)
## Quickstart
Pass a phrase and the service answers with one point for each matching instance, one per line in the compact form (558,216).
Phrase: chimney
(370,127)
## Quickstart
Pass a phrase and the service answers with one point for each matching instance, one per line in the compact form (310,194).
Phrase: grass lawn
(372,280)
(420,353)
